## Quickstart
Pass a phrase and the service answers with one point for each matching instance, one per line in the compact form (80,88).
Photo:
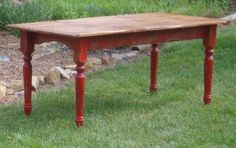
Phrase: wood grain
(106,25)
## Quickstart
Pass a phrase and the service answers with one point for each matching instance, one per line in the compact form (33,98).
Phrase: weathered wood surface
(107,25)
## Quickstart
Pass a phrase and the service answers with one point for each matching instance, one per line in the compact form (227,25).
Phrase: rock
(121,56)
(118,57)
(63,73)
(3,83)
(41,80)
(2,101)
(54,76)
(230,18)
(53,47)
(10,91)
(132,54)
(3,90)
(72,67)
(35,83)
(17,2)
(105,60)
(56,50)
(71,73)
(20,93)
(94,61)
(16,85)
(91,63)
(4,59)
(135,48)
(145,47)
(43,45)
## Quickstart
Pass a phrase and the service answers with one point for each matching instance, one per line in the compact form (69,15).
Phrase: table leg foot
(28,110)
(80,87)
(207,99)
(79,122)
(154,67)
(153,89)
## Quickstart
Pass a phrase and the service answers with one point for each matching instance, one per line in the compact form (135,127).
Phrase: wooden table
(113,31)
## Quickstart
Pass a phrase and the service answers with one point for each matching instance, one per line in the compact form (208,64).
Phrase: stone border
(56,76)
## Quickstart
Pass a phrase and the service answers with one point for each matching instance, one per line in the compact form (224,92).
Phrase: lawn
(120,111)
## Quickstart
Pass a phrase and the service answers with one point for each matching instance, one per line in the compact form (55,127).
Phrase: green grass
(120,111)
(28,12)
(79,8)
(39,10)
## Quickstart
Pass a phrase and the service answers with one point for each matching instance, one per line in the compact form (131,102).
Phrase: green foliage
(18,13)
(207,7)
(63,9)
(120,111)
(39,10)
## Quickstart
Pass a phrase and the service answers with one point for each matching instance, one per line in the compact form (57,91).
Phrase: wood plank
(107,25)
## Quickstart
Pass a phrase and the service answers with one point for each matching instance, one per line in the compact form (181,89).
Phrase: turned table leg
(154,67)
(80,48)
(27,48)
(209,43)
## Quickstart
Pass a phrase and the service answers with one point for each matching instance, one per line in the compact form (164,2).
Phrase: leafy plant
(29,11)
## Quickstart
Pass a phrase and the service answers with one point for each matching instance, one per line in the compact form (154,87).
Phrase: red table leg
(154,67)
(80,57)
(80,87)
(27,47)
(209,43)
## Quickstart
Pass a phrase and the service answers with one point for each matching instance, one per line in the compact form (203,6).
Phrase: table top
(106,25)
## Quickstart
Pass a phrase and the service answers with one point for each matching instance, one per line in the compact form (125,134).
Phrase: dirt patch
(42,59)
(54,54)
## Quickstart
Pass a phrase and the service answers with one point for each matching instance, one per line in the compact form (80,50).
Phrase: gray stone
(10,91)
(3,83)
(118,57)
(105,60)
(54,76)
(94,61)
(124,56)
(72,67)
(144,47)
(71,73)
(16,85)
(3,90)
(17,2)
(230,18)
(35,82)
(41,80)
(20,93)
(4,59)
(63,73)
(132,54)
